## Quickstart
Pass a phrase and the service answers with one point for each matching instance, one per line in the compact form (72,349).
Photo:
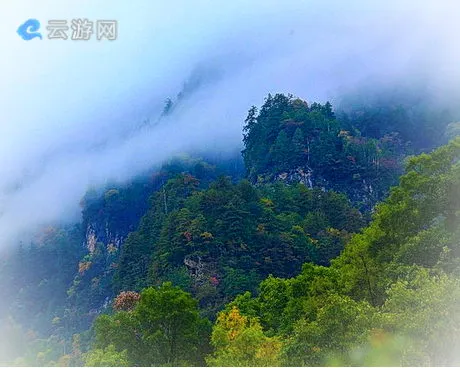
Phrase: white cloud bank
(66,106)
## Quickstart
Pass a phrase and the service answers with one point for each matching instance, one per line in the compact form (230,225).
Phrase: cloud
(71,110)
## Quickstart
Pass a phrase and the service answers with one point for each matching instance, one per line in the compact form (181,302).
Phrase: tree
(168,107)
(170,323)
(107,357)
(425,311)
(281,152)
(416,224)
(340,324)
(240,341)
(164,328)
(126,300)
(299,148)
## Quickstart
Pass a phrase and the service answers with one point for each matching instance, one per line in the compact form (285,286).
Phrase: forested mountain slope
(391,298)
(280,259)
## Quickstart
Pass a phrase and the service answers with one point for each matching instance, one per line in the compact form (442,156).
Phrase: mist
(76,114)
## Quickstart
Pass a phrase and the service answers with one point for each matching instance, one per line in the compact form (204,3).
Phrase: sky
(69,109)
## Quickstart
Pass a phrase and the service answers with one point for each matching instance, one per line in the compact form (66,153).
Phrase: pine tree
(282,152)
(298,144)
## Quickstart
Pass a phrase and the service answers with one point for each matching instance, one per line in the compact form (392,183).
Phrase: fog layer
(80,113)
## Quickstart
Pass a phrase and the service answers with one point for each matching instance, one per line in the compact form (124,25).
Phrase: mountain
(308,252)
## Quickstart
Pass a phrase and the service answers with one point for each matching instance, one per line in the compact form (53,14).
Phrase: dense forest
(333,239)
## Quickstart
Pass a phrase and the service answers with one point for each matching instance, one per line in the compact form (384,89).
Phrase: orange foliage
(126,300)
(83,267)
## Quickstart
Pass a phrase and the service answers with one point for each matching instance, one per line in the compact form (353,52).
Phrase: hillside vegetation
(336,243)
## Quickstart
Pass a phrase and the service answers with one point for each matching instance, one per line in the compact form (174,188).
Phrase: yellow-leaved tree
(240,341)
